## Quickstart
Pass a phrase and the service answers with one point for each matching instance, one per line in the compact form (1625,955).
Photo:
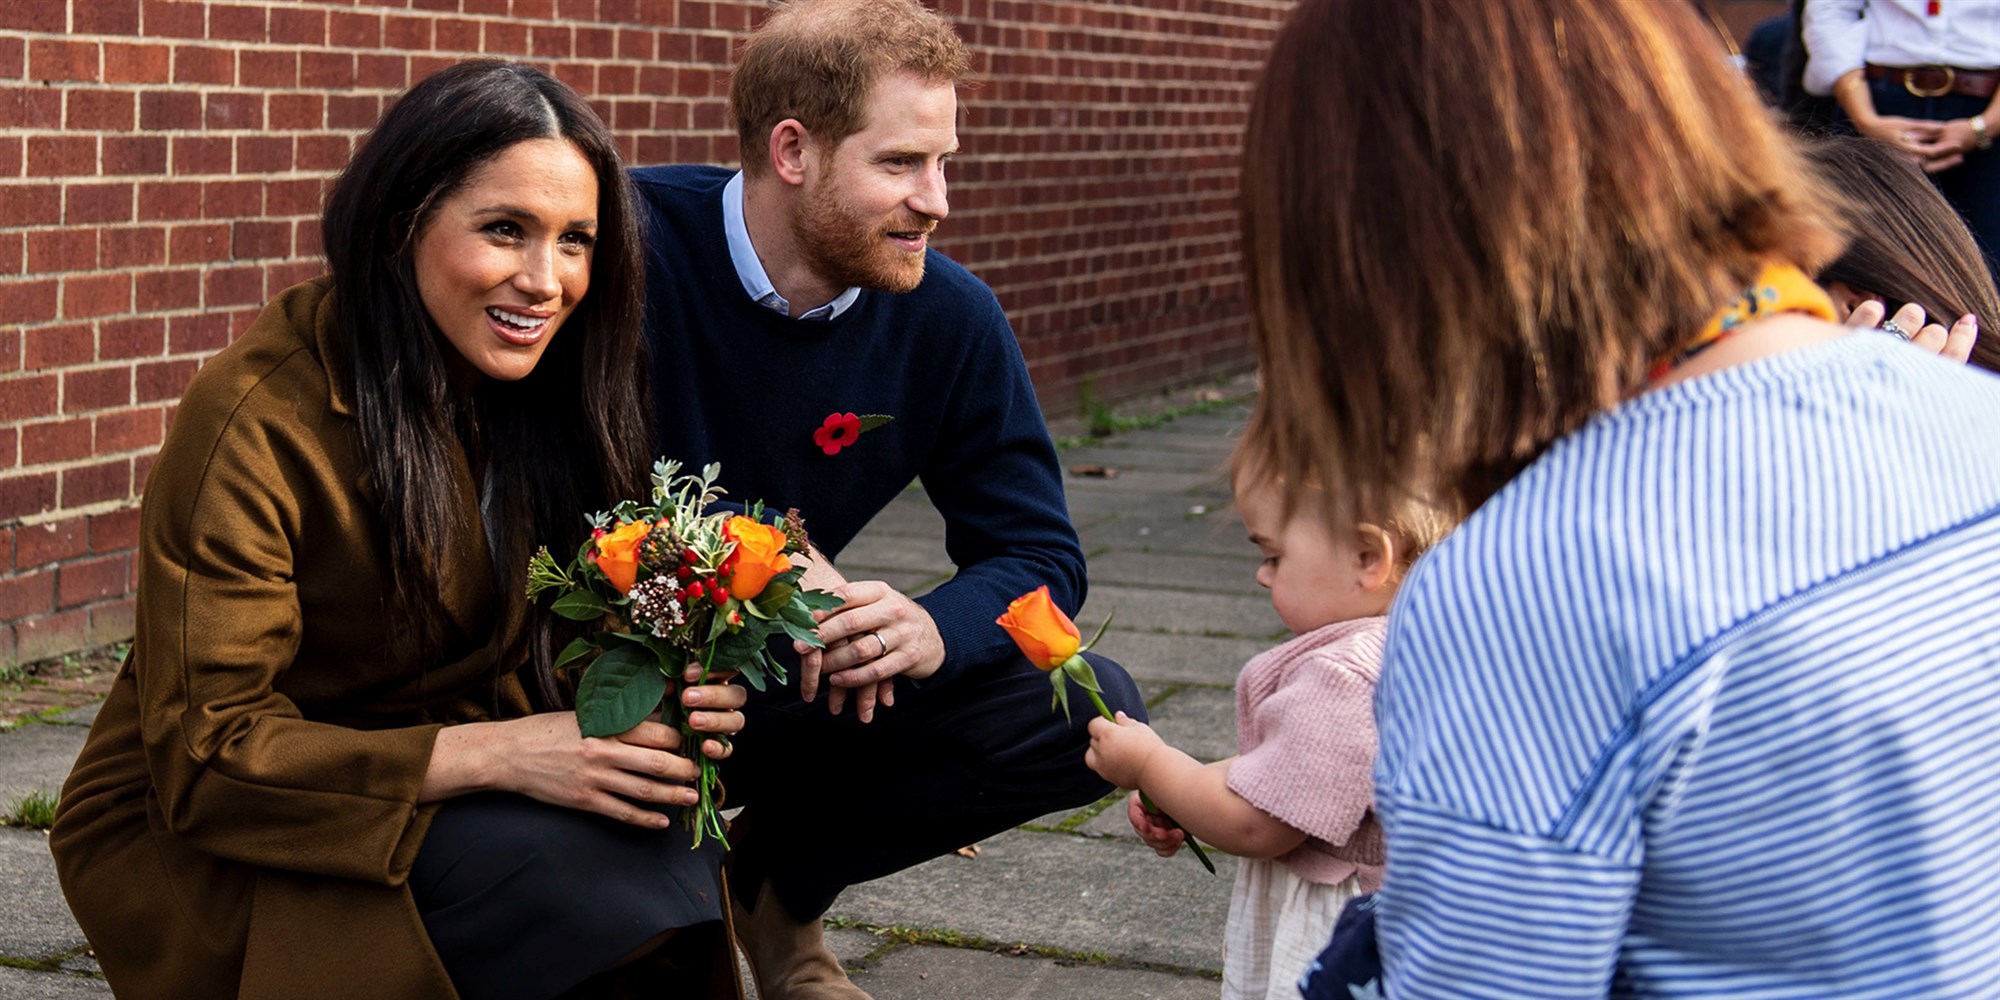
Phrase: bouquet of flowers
(1051,642)
(669,584)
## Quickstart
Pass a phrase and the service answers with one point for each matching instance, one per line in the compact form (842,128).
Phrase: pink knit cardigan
(1305,735)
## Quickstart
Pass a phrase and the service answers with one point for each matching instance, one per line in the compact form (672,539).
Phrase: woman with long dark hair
(336,762)
(1699,700)
(1909,256)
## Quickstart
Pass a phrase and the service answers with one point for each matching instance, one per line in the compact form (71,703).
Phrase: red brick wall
(162,163)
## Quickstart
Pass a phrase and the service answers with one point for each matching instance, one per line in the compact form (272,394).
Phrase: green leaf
(776,595)
(619,690)
(757,612)
(1100,631)
(1062,696)
(820,600)
(718,624)
(1079,671)
(805,635)
(753,674)
(772,666)
(870,421)
(576,650)
(580,606)
(660,648)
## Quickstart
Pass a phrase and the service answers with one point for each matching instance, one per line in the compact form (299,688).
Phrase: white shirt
(750,270)
(1842,35)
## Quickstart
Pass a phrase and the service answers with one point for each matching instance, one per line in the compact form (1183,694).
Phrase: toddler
(1293,804)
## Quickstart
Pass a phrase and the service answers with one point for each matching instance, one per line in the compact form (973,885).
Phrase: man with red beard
(805,336)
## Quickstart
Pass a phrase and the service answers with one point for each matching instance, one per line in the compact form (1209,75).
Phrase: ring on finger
(1891,328)
(879,641)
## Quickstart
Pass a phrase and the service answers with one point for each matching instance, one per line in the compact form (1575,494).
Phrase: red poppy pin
(839,430)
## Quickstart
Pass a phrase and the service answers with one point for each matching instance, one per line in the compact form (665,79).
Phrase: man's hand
(878,635)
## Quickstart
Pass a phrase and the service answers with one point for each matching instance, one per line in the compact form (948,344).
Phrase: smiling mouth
(518,328)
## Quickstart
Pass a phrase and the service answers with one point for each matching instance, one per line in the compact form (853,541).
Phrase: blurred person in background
(1920,75)
(1910,261)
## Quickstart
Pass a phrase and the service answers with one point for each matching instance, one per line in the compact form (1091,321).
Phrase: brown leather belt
(1937,81)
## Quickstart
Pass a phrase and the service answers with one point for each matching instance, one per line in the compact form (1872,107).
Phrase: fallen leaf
(969,852)
(1094,471)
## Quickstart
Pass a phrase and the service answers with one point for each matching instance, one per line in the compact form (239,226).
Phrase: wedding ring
(1889,327)
(879,641)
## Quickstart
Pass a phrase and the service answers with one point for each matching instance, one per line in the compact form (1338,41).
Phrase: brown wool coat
(243,817)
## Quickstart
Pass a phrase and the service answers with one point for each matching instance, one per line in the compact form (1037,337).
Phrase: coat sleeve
(996,481)
(239,772)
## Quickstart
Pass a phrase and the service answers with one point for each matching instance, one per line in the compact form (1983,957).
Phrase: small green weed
(35,810)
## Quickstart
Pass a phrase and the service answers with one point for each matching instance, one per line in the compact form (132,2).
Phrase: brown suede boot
(789,959)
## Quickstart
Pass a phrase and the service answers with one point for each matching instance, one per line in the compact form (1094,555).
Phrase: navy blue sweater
(738,383)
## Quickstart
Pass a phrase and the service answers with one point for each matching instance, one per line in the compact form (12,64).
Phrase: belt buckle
(1910,83)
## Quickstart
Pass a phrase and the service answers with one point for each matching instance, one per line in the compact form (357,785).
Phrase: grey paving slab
(1117,454)
(1148,609)
(1175,513)
(1113,822)
(1062,891)
(903,552)
(1139,479)
(908,514)
(36,923)
(76,716)
(1206,437)
(36,756)
(23,984)
(1154,657)
(850,944)
(1199,721)
(1207,572)
(930,972)
(1214,533)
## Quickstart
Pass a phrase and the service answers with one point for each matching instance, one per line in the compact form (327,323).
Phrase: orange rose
(1043,632)
(618,553)
(760,555)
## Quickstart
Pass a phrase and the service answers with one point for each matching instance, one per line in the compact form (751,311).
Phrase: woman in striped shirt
(1703,699)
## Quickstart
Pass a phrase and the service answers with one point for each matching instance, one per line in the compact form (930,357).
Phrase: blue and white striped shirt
(1707,701)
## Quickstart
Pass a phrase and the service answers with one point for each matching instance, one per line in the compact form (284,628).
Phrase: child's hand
(1118,753)
(1165,840)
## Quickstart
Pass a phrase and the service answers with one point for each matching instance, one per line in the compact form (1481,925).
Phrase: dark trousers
(832,802)
(1972,187)
(526,901)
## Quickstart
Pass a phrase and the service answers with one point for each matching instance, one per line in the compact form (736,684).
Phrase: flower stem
(1147,800)
(705,816)
(1102,708)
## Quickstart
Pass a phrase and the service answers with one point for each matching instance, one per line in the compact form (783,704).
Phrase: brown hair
(1909,245)
(1470,226)
(1417,523)
(817,61)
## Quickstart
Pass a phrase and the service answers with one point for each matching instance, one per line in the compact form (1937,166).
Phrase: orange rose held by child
(1043,632)
(760,555)
(618,553)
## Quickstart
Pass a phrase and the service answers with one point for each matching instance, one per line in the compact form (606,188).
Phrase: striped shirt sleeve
(1476,911)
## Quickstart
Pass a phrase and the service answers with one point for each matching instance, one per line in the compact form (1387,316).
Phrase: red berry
(684,572)
(720,596)
(694,590)
(689,556)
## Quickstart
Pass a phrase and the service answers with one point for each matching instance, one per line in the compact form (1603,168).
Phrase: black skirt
(524,900)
